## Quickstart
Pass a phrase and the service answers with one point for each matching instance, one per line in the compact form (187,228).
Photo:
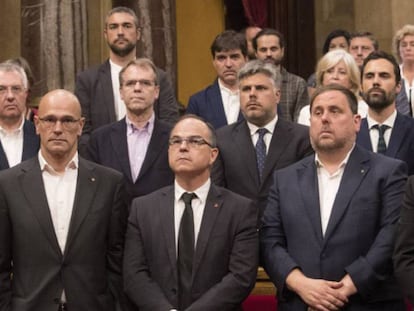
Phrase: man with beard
(98,88)
(269,45)
(328,229)
(385,130)
(219,102)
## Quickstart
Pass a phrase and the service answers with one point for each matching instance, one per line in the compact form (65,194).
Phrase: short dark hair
(366,34)
(350,96)
(335,34)
(122,9)
(383,55)
(229,40)
(269,32)
(211,129)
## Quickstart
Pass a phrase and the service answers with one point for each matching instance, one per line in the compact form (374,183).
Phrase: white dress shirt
(12,143)
(328,185)
(374,134)
(231,103)
(120,109)
(270,127)
(198,204)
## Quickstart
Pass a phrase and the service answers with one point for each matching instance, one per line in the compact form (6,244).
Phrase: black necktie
(185,252)
(381,147)
(261,151)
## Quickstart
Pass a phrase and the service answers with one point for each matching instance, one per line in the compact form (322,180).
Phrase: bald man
(62,221)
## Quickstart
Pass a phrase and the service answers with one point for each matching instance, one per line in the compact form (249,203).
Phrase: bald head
(58,98)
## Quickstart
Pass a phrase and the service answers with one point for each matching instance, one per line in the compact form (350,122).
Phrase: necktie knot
(381,128)
(188,197)
(261,132)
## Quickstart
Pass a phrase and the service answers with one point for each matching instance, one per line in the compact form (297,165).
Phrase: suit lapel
(165,207)
(211,210)
(241,137)
(308,182)
(398,133)
(33,189)
(4,163)
(106,89)
(118,136)
(217,103)
(363,138)
(355,171)
(86,190)
(30,141)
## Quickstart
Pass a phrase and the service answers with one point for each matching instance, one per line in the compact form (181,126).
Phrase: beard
(381,101)
(122,51)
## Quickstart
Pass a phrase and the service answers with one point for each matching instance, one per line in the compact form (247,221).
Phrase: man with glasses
(192,245)
(98,88)
(18,139)
(137,145)
(62,221)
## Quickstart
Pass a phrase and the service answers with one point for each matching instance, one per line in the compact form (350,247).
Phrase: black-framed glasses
(15,89)
(191,141)
(142,82)
(68,123)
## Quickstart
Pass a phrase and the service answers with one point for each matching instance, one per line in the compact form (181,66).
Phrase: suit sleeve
(141,289)
(116,236)
(302,99)
(166,106)
(5,254)
(91,150)
(369,269)
(273,247)
(217,172)
(404,248)
(240,280)
(82,92)
(192,106)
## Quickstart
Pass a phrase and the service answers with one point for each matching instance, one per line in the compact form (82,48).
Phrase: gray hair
(12,67)
(122,9)
(256,66)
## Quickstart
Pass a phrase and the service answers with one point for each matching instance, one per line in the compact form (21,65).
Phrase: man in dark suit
(404,246)
(98,88)
(237,167)
(62,221)
(269,45)
(385,130)
(329,226)
(137,145)
(192,245)
(18,139)
(219,103)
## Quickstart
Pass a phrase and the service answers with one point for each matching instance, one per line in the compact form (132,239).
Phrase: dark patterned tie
(381,147)
(185,252)
(261,152)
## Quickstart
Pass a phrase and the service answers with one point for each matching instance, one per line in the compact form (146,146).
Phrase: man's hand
(318,294)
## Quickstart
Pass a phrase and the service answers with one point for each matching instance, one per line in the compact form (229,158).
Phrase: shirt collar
(319,163)
(16,130)
(270,127)
(389,121)
(44,166)
(227,90)
(201,192)
(148,127)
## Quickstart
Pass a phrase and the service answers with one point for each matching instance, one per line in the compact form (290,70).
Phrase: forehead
(362,41)
(135,71)
(59,106)
(228,52)
(120,17)
(10,77)
(338,40)
(408,38)
(330,99)
(258,78)
(266,40)
(379,65)
(190,127)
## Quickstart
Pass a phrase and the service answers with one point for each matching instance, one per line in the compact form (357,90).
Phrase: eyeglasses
(68,123)
(15,89)
(142,82)
(192,141)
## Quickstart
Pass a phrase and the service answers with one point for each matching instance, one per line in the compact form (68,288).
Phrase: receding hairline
(56,96)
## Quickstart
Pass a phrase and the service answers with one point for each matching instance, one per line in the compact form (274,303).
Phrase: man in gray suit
(192,245)
(329,226)
(240,166)
(62,221)
(98,88)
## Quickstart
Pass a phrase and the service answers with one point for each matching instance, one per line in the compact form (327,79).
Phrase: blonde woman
(337,67)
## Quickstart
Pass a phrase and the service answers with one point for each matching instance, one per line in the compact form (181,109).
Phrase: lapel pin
(362,171)
(216,205)
(92,178)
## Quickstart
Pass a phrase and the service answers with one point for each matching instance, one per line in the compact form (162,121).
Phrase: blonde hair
(399,35)
(331,59)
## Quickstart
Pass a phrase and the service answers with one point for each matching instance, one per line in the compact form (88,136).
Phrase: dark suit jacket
(294,96)
(401,102)
(401,145)
(360,235)
(108,146)
(208,104)
(404,246)
(225,259)
(236,168)
(30,145)
(89,270)
(94,91)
